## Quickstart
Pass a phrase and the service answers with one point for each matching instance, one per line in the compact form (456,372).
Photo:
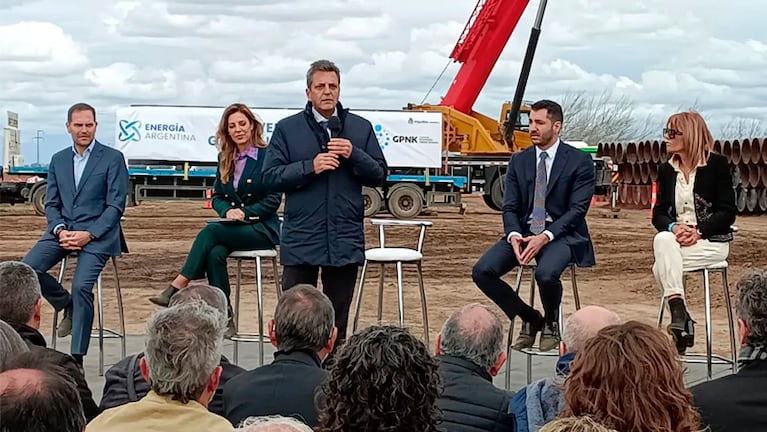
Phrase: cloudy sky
(662,54)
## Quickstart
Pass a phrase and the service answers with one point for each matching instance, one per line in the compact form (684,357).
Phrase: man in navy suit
(548,192)
(86,190)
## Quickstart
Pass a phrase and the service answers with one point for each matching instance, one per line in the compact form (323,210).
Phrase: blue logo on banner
(129,131)
(384,137)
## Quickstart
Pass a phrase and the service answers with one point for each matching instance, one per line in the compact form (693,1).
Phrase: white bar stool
(100,332)
(709,358)
(535,351)
(399,256)
(256,256)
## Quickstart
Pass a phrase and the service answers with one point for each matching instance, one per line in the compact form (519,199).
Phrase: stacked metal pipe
(638,168)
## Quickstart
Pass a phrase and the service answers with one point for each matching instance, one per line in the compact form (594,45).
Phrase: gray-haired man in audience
(541,401)
(470,352)
(304,333)
(182,364)
(736,402)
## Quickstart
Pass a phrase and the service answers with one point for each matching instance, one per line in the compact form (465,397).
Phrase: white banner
(169,133)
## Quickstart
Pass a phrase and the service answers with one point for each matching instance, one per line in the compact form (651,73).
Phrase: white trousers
(671,260)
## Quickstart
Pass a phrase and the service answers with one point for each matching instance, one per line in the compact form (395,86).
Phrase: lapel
(93,160)
(249,171)
(66,173)
(560,161)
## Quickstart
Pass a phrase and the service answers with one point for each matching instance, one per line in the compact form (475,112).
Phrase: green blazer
(259,204)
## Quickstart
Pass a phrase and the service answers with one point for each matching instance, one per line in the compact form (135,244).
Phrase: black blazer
(286,386)
(256,201)
(734,402)
(714,199)
(568,197)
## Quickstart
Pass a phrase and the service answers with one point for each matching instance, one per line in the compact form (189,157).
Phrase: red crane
(479,47)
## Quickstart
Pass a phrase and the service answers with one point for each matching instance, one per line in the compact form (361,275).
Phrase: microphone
(334,125)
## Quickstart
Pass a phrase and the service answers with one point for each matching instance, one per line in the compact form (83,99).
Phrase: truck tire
(405,202)
(38,198)
(496,194)
(372,199)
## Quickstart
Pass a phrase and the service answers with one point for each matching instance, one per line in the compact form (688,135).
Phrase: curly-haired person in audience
(383,379)
(575,424)
(628,378)
(736,402)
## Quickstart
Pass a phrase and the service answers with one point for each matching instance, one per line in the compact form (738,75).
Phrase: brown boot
(527,334)
(549,337)
(164,298)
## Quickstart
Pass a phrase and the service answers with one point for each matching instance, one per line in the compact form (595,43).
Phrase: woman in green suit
(238,195)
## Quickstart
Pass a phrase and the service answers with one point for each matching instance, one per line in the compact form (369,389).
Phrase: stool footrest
(535,351)
(108,334)
(701,358)
(248,337)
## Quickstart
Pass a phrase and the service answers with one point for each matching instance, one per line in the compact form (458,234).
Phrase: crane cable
(436,81)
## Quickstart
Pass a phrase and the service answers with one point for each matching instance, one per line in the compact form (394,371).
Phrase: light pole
(37,140)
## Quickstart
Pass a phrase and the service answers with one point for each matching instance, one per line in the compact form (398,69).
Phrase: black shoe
(683,332)
(549,337)
(527,335)
(65,326)
(231,327)
(164,298)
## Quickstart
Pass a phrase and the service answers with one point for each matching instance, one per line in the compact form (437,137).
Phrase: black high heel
(683,332)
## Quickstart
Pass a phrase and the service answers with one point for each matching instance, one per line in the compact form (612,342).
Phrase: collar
(87,149)
(465,364)
(304,356)
(751,353)
(551,151)
(674,162)
(29,334)
(320,118)
(250,152)
(153,397)
(563,363)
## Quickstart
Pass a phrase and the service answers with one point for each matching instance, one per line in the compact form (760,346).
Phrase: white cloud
(196,52)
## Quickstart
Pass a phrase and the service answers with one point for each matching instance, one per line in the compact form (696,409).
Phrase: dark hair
(553,109)
(45,400)
(321,66)
(609,382)
(80,106)
(303,319)
(751,305)
(383,380)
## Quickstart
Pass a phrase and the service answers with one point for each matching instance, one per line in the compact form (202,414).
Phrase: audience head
(575,424)
(584,324)
(19,294)
(383,379)
(11,344)
(751,306)
(474,333)
(209,294)
(274,423)
(183,352)
(628,378)
(37,395)
(304,320)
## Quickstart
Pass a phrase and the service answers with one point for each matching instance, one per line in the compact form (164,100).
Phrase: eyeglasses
(671,133)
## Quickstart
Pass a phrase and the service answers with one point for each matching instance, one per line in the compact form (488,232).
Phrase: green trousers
(213,245)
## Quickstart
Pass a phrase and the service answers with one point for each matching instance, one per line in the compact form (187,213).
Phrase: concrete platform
(542,367)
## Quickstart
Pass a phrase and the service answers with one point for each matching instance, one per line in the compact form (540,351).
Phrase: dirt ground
(159,235)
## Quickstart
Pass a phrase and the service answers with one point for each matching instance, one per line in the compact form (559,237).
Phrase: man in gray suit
(87,186)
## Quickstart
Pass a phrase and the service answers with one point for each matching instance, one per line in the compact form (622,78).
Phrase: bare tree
(605,117)
(740,127)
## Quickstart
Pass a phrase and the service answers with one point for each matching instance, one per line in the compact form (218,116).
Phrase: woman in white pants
(694,212)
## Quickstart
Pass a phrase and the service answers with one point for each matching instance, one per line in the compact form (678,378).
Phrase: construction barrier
(208,199)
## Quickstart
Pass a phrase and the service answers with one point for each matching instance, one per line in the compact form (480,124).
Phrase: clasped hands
(235,214)
(73,240)
(685,234)
(527,248)
(329,161)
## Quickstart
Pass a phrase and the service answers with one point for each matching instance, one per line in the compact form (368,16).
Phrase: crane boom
(479,47)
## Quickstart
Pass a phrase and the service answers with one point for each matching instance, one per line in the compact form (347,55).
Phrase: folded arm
(511,203)
(368,162)
(725,211)
(53,202)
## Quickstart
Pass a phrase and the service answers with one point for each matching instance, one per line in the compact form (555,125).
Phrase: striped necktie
(538,223)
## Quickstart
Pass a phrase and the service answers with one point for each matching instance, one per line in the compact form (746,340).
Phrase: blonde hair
(697,140)
(575,424)
(226,144)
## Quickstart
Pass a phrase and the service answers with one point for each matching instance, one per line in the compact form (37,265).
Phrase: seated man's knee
(546,276)
(481,273)
(663,238)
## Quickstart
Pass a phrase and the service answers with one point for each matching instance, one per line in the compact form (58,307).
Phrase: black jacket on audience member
(734,402)
(117,391)
(36,341)
(287,386)
(470,402)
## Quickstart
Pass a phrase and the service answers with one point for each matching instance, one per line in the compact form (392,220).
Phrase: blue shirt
(80,161)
